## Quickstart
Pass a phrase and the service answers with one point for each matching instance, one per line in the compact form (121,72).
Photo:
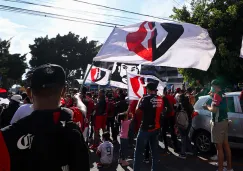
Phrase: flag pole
(86,75)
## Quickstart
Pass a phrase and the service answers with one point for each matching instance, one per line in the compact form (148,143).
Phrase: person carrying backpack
(110,110)
(183,123)
(47,139)
(168,121)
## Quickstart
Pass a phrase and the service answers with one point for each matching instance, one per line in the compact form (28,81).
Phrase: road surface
(170,162)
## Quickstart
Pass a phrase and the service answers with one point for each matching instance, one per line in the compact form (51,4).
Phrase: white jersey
(177,96)
(106,150)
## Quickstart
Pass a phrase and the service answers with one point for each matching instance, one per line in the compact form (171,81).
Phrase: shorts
(100,122)
(219,132)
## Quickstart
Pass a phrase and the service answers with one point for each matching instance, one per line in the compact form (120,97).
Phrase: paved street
(170,162)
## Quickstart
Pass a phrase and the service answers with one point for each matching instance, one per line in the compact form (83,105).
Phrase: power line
(177,3)
(122,10)
(83,11)
(49,15)
(58,15)
(51,2)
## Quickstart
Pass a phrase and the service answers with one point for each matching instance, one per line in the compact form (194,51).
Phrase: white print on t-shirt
(156,102)
(25,142)
(106,150)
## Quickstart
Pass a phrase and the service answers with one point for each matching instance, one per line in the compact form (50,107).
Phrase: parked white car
(201,130)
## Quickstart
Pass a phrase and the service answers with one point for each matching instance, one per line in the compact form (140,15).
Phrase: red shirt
(69,103)
(78,117)
(172,102)
(132,106)
(90,106)
(63,102)
(241,95)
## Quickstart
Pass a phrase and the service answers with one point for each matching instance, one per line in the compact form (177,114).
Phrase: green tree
(223,20)
(70,51)
(12,66)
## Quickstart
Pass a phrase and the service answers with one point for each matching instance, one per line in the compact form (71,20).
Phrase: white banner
(180,45)
(98,75)
(137,83)
(119,74)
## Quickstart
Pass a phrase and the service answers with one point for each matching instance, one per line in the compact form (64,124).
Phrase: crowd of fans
(147,119)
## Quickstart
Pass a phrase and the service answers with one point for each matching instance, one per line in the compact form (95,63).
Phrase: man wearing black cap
(151,106)
(46,139)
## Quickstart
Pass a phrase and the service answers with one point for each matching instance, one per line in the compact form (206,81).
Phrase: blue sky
(23,28)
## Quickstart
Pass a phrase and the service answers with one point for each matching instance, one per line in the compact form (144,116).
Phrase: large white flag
(180,45)
(119,74)
(98,75)
(137,83)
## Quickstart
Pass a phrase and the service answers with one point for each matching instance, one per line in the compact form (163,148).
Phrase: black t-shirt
(100,108)
(7,114)
(152,107)
(45,140)
(121,106)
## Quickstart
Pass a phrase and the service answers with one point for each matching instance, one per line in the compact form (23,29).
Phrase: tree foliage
(70,51)
(12,66)
(223,19)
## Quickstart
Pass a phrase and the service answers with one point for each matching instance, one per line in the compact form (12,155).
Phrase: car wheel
(202,142)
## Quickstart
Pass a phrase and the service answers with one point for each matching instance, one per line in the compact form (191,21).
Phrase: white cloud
(9,28)
(63,27)
(23,35)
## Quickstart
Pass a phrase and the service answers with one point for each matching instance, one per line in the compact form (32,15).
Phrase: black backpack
(167,107)
(182,120)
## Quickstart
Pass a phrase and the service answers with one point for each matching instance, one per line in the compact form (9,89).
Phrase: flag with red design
(180,45)
(98,75)
(119,74)
(137,85)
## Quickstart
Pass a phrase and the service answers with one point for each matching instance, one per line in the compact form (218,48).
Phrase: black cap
(151,86)
(47,76)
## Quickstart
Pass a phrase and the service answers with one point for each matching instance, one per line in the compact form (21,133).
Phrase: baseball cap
(151,86)
(47,76)
(17,98)
(178,89)
(216,83)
